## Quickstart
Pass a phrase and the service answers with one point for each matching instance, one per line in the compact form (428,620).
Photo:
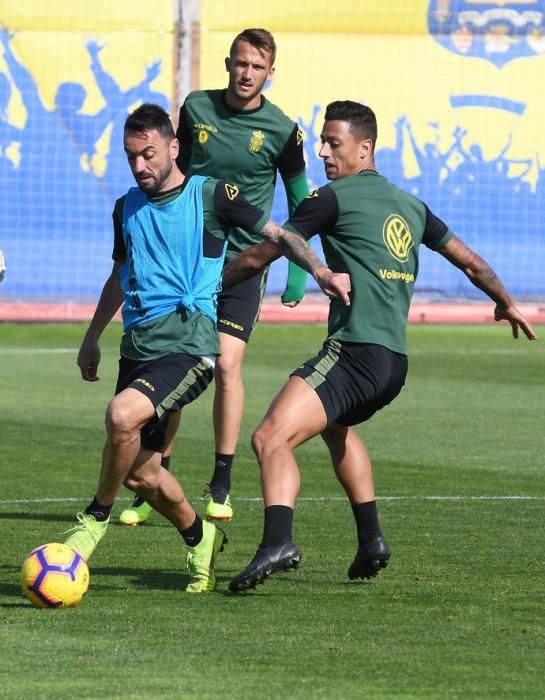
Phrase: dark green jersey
(183,332)
(370,229)
(245,147)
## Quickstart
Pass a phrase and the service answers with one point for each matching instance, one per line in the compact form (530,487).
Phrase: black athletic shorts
(354,380)
(170,383)
(239,307)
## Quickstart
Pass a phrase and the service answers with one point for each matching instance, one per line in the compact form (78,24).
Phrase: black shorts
(170,383)
(239,307)
(354,380)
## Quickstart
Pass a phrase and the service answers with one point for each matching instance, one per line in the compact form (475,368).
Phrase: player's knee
(264,442)
(256,442)
(227,379)
(119,422)
(228,371)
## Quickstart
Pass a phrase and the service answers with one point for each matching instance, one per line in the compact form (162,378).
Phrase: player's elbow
(476,268)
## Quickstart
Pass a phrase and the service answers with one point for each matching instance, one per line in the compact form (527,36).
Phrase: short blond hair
(260,38)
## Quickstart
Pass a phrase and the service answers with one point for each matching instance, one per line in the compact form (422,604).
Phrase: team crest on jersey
(300,137)
(258,137)
(203,131)
(231,191)
(398,238)
(495,30)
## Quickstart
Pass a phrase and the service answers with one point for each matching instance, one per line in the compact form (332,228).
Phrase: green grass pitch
(458,461)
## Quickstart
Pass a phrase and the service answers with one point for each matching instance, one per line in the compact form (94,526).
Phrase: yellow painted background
(49,38)
(379,52)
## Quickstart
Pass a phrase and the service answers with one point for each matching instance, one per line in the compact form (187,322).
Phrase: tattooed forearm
(476,269)
(250,262)
(292,246)
(486,279)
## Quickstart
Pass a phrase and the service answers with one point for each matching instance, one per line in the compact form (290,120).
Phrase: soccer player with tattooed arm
(370,230)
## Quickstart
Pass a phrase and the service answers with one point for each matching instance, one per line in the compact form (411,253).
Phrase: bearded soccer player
(170,235)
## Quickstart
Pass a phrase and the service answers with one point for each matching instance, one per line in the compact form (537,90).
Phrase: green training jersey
(372,230)
(181,331)
(245,147)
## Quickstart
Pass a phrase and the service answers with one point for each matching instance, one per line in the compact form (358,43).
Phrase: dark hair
(148,117)
(360,118)
(260,38)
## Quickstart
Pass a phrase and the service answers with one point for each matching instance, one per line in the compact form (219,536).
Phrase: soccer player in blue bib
(170,237)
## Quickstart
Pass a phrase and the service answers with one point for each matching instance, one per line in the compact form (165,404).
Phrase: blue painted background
(55,208)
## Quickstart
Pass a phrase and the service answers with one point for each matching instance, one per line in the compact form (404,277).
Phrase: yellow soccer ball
(54,576)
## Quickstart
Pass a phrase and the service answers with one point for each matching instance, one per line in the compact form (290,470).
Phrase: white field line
(308,499)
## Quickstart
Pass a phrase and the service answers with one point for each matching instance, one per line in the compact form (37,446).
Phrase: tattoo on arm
(489,282)
(292,246)
(476,269)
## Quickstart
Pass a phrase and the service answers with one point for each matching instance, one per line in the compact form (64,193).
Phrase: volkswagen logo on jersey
(397,236)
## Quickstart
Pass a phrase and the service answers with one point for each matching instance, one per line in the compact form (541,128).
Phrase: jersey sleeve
(234,210)
(436,232)
(296,191)
(183,134)
(317,213)
(291,161)
(119,253)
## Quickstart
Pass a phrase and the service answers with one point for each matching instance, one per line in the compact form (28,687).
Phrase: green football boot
(137,514)
(87,534)
(218,506)
(202,558)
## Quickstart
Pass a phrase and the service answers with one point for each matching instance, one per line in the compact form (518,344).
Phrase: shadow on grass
(153,579)
(144,579)
(102,579)
(157,579)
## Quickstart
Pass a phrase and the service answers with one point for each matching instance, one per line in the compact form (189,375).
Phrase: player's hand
(334,284)
(88,360)
(290,304)
(516,319)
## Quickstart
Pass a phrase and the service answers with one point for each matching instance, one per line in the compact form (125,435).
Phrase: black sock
(220,483)
(193,534)
(138,502)
(366,521)
(165,463)
(100,511)
(277,526)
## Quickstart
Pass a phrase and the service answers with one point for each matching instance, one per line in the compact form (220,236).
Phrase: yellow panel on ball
(54,576)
